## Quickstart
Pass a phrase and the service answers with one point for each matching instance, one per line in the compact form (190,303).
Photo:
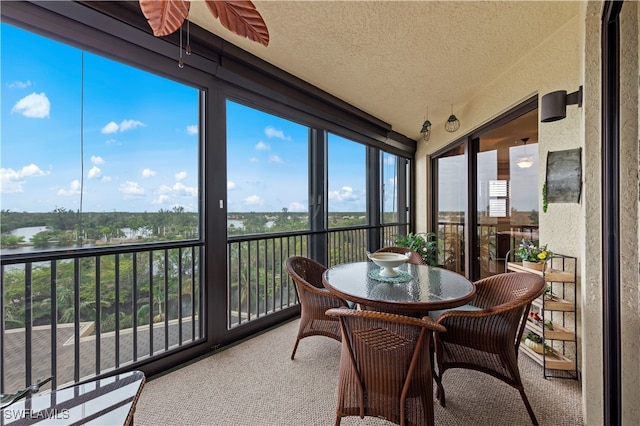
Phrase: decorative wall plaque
(564,176)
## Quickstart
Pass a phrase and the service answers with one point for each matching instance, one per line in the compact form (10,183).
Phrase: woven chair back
(385,368)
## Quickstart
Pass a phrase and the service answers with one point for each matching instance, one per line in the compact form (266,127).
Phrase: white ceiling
(393,59)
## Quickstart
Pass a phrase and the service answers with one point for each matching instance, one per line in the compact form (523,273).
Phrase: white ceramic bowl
(387,261)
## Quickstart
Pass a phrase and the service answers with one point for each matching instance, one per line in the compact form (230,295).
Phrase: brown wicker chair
(415,257)
(314,299)
(487,340)
(385,368)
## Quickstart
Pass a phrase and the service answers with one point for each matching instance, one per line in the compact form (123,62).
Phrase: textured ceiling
(393,59)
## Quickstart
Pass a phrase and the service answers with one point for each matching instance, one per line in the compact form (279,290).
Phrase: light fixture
(452,123)
(554,104)
(426,127)
(525,161)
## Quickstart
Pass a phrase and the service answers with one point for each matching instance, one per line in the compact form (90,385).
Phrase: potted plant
(426,245)
(536,343)
(531,256)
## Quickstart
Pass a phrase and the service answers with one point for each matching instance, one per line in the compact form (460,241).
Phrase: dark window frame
(117,30)
(470,143)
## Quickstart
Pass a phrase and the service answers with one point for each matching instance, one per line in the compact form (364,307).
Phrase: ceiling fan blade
(166,16)
(241,18)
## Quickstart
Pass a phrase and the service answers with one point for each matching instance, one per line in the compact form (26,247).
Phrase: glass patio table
(417,290)
(107,401)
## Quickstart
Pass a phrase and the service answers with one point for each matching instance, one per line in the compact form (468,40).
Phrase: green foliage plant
(425,244)
(529,252)
(534,337)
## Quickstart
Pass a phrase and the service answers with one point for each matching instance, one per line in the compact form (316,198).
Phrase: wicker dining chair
(385,368)
(414,258)
(314,299)
(487,339)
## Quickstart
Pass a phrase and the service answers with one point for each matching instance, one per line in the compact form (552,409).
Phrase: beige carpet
(256,383)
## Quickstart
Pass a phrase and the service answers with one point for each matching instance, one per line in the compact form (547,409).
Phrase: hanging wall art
(564,176)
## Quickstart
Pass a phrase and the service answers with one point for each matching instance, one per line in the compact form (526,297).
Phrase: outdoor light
(452,123)
(426,127)
(554,104)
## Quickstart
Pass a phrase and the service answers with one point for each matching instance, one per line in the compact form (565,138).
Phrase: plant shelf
(560,274)
(558,332)
(552,360)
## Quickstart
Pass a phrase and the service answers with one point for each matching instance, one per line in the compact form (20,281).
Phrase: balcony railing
(75,315)
(492,244)
(81,314)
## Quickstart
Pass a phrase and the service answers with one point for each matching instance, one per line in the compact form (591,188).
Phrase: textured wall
(570,57)
(591,241)
(629,211)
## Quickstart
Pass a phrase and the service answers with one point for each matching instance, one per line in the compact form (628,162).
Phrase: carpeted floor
(255,383)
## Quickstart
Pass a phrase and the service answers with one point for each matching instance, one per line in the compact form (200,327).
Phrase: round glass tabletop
(418,288)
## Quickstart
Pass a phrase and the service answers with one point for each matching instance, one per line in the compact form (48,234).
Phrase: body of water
(28,232)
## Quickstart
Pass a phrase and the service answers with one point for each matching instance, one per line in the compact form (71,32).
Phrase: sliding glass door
(507,195)
(492,173)
(451,171)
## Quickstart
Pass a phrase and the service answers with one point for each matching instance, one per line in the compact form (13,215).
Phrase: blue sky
(267,165)
(139,152)
(75,123)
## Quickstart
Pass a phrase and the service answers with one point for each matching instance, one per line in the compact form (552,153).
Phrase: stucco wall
(629,211)
(567,59)
(591,288)
(558,63)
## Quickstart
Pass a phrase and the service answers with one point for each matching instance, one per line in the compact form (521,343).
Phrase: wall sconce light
(554,104)
(426,127)
(452,123)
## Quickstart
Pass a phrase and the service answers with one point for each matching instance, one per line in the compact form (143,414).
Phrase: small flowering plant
(529,252)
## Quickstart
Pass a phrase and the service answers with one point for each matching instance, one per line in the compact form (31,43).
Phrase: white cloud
(131,189)
(162,199)
(297,207)
(192,129)
(261,146)
(167,193)
(183,190)
(12,181)
(110,141)
(346,193)
(147,173)
(231,185)
(130,124)
(19,84)
(253,160)
(74,189)
(106,179)
(111,127)
(181,175)
(272,132)
(390,160)
(95,172)
(252,200)
(33,106)
(32,170)
(164,189)
(275,159)
(98,161)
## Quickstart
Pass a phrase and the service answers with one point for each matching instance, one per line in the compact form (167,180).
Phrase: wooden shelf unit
(560,273)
